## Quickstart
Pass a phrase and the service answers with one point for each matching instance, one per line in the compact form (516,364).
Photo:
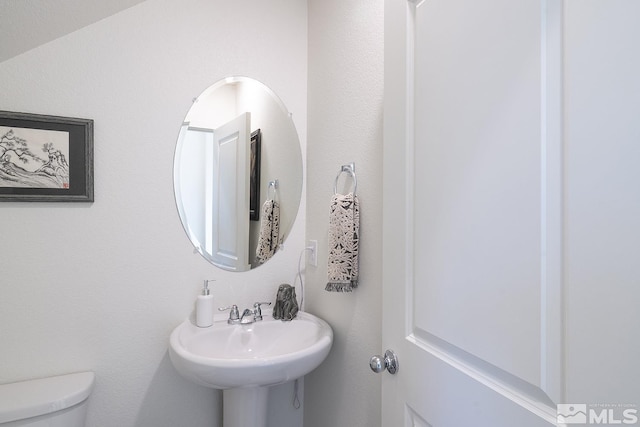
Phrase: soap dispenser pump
(204,307)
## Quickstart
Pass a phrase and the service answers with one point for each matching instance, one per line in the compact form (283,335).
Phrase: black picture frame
(254,178)
(45,158)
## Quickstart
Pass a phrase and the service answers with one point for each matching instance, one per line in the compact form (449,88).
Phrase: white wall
(345,125)
(100,286)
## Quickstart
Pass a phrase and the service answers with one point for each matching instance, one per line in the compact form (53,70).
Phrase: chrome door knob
(388,362)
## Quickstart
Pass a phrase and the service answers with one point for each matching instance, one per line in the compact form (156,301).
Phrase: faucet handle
(258,304)
(257,309)
(234,315)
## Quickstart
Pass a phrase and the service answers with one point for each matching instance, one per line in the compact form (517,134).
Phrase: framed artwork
(254,181)
(45,158)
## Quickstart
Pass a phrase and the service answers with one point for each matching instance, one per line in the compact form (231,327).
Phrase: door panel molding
(413,419)
(550,387)
(552,316)
(497,380)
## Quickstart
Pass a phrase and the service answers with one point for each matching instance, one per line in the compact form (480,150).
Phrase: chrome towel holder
(351,170)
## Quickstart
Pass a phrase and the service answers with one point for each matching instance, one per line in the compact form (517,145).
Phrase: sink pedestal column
(245,407)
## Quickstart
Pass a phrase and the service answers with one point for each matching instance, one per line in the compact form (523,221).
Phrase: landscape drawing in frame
(45,158)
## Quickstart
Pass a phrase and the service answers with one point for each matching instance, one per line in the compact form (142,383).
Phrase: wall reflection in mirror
(237,174)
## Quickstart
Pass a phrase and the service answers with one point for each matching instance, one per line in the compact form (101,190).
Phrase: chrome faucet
(246,313)
(245,319)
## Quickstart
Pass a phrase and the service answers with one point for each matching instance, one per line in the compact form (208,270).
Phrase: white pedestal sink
(245,360)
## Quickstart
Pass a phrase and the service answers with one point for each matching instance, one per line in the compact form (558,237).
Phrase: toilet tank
(46,402)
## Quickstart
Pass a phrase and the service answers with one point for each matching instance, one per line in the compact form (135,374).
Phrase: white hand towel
(269,231)
(344,237)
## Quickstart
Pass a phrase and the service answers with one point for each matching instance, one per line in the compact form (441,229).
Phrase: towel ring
(351,170)
(273,185)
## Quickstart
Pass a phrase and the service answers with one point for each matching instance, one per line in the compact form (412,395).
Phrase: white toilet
(46,402)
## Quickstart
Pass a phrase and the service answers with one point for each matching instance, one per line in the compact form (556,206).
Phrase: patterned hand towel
(344,236)
(269,230)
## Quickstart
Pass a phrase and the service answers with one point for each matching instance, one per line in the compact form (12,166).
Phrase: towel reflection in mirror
(269,230)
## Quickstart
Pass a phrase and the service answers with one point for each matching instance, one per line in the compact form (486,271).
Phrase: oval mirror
(237,173)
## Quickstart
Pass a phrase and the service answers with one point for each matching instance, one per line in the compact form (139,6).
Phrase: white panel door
(511,212)
(229,217)
(472,213)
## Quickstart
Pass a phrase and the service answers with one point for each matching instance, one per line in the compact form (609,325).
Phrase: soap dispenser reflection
(204,307)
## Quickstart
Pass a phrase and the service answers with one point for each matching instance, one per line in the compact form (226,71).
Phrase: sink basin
(260,354)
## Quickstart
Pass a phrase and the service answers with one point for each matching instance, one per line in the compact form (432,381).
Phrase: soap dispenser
(204,307)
